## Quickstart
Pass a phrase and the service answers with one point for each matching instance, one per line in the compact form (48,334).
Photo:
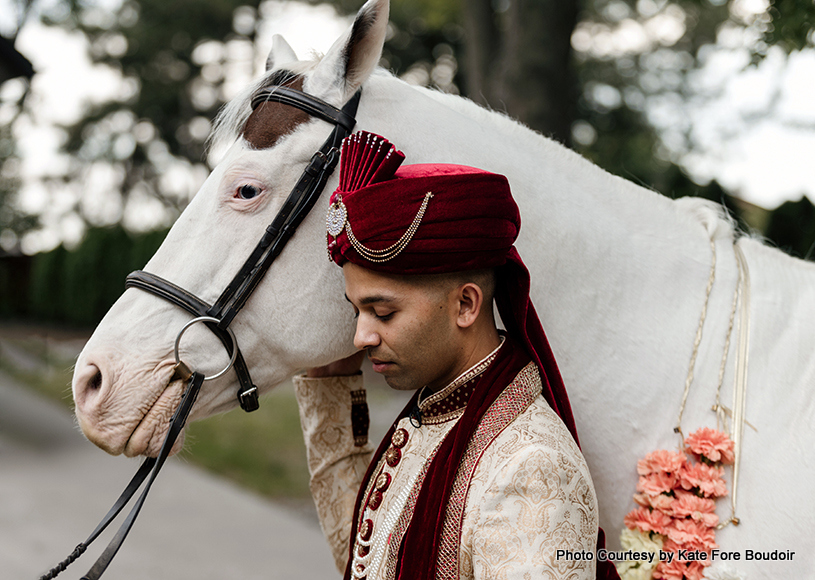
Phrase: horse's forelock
(233,115)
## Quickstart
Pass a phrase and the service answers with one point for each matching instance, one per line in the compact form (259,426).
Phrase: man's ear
(470,299)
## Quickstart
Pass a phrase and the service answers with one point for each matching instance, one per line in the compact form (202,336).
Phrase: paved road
(55,487)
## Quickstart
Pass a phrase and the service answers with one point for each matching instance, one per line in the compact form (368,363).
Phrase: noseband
(301,199)
(219,315)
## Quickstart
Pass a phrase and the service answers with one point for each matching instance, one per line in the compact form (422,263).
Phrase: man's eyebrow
(374,299)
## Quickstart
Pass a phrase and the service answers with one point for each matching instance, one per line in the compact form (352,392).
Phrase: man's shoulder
(535,430)
(533,466)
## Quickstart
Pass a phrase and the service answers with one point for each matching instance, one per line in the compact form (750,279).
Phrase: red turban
(467,220)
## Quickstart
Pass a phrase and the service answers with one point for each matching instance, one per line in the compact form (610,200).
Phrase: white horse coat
(618,277)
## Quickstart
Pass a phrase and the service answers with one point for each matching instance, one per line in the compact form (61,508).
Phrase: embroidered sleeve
(532,497)
(333,416)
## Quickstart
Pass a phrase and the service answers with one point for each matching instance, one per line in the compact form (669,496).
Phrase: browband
(305,102)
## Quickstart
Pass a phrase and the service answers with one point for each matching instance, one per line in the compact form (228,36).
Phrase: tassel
(366,159)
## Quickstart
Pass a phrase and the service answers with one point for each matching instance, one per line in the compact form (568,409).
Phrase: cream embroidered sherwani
(522,490)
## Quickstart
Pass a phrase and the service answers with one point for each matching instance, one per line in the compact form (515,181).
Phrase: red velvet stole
(521,320)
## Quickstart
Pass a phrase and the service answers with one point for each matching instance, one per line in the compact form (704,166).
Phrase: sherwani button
(383,482)
(392,456)
(366,530)
(399,438)
(376,500)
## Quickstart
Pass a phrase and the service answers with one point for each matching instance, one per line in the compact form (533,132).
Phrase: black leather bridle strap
(295,208)
(168,291)
(305,102)
(147,471)
(158,286)
(299,202)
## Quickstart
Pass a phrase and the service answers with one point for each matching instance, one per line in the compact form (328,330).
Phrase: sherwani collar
(449,402)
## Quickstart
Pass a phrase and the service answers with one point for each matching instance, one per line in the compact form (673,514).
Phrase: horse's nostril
(96,381)
(88,384)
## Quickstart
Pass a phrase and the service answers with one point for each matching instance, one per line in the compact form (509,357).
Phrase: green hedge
(75,287)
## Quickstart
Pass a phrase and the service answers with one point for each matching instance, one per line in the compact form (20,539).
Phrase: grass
(262,451)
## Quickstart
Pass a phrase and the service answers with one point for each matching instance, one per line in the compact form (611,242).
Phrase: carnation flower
(677,508)
(629,570)
(706,478)
(695,570)
(700,509)
(646,520)
(691,535)
(711,444)
(679,570)
(661,461)
(668,545)
(657,482)
(660,501)
(673,570)
(638,542)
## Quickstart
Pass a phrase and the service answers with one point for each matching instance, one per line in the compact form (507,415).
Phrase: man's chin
(398,383)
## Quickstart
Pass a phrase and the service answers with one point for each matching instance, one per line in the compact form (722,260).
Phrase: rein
(147,471)
(219,315)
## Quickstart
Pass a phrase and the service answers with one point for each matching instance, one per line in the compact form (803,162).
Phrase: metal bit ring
(216,321)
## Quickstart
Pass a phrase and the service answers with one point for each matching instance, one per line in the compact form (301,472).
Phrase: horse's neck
(612,264)
(573,212)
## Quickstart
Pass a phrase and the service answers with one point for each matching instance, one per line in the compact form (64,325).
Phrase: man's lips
(380,365)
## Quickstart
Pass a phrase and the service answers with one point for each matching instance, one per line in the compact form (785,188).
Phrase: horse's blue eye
(248,191)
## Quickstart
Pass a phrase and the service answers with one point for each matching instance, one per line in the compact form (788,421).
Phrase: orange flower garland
(677,507)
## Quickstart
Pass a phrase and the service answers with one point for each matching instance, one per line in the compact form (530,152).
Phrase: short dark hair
(484,279)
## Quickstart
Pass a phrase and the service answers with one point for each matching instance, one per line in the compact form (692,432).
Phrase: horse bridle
(301,199)
(220,315)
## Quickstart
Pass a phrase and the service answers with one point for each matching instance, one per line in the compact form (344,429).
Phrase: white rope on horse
(722,412)
(697,340)
(740,386)
(741,295)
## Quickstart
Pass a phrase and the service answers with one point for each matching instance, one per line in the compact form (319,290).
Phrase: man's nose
(365,336)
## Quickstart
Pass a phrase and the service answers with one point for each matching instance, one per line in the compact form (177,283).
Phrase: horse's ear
(281,52)
(352,58)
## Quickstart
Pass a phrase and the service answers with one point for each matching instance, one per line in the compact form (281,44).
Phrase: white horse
(619,279)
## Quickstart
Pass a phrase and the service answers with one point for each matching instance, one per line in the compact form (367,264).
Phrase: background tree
(178,59)
(792,227)
(16,68)
(610,78)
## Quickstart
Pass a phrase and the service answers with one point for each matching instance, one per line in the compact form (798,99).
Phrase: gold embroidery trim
(513,401)
(461,380)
